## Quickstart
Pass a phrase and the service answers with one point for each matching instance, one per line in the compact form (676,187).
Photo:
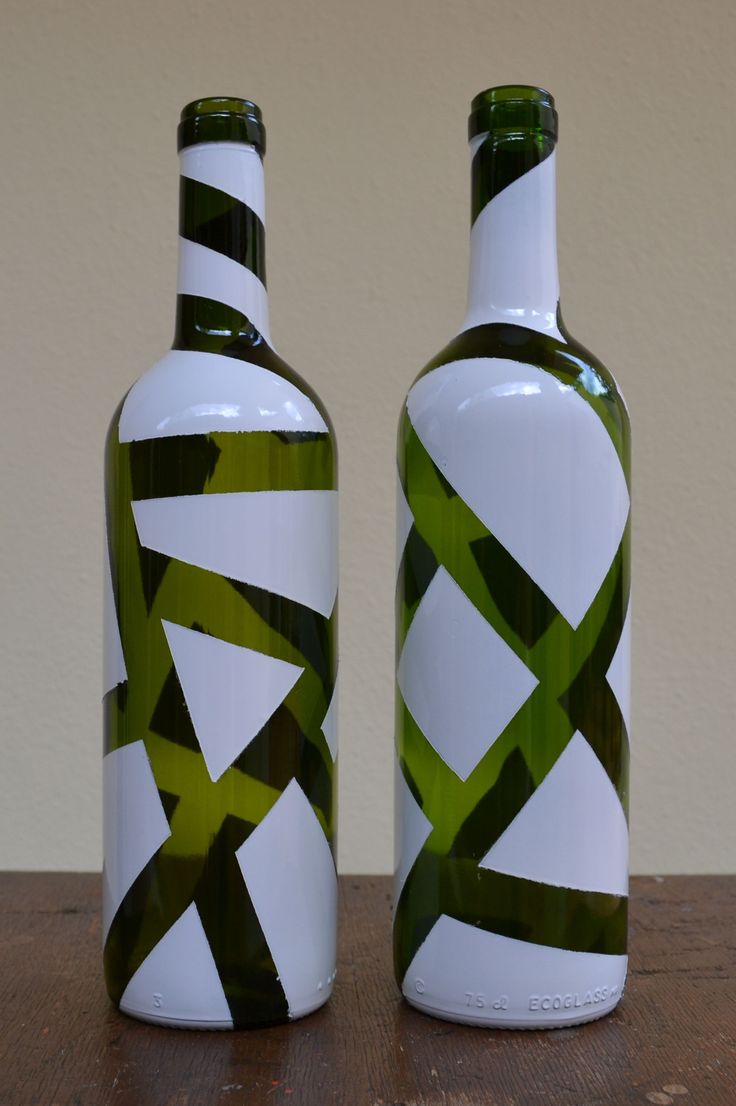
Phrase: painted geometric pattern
(495,767)
(226,685)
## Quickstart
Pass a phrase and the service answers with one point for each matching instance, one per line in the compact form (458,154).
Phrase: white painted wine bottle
(220,654)
(513,627)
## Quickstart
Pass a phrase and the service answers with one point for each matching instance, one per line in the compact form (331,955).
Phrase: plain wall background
(368,214)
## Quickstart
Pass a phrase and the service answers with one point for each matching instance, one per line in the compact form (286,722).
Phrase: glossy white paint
(458,677)
(205,272)
(290,875)
(619,672)
(285,541)
(412,827)
(130,802)
(190,392)
(513,255)
(404,521)
(114,671)
(231,167)
(535,463)
(470,975)
(329,722)
(230,691)
(572,830)
(178,983)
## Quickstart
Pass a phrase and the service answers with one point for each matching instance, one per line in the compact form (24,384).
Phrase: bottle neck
(513,241)
(222,271)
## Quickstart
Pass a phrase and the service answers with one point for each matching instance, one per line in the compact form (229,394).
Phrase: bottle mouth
(513,109)
(222,119)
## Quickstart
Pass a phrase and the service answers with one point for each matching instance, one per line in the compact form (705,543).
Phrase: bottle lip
(513,109)
(222,119)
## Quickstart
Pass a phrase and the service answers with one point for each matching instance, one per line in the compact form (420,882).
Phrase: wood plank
(672,1040)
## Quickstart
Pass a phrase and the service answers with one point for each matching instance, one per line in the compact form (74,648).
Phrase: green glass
(210,819)
(516,128)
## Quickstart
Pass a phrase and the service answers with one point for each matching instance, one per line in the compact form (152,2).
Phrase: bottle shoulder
(500,370)
(192,391)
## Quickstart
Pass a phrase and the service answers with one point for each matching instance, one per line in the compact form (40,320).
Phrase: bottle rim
(513,109)
(222,119)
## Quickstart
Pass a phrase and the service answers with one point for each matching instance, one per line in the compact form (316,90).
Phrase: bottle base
(175,1021)
(466,974)
(555,1020)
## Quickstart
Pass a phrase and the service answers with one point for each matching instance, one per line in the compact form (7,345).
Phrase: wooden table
(672,1040)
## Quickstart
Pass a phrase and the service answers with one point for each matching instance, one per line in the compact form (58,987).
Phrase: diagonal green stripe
(221,222)
(583,921)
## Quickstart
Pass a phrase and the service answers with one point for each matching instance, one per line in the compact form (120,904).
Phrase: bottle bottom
(558,1019)
(174,1020)
(466,974)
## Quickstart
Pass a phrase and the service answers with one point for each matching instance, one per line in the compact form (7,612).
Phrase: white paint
(412,827)
(535,463)
(114,671)
(459,679)
(329,722)
(513,255)
(404,521)
(189,392)
(135,824)
(178,982)
(619,672)
(230,691)
(460,971)
(232,167)
(205,272)
(572,830)
(290,875)
(285,542)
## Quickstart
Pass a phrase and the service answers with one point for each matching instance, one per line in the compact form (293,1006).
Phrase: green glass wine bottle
(513,627)
(219,885)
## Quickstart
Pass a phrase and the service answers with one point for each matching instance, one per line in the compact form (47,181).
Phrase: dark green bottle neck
(222,270)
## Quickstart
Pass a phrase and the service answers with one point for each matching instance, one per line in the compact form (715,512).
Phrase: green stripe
(559,917)
(220,222)
(254,460)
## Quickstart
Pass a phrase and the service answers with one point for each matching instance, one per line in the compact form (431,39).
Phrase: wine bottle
(219,895)
(513,627)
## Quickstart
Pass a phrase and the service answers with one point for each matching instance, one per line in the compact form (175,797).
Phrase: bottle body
(512,682)
(219,883)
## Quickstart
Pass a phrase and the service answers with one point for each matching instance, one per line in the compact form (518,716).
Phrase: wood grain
(672,1040)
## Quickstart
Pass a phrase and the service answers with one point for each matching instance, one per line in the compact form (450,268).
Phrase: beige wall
(367,181)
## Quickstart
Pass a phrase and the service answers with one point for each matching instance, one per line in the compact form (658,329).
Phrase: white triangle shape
(134,824)
(404,521)
(178,980)
(412,827)
(329,723)
(230,691)
(288,869)
(619,672)
(285,541)
(572,832)
(458,677)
